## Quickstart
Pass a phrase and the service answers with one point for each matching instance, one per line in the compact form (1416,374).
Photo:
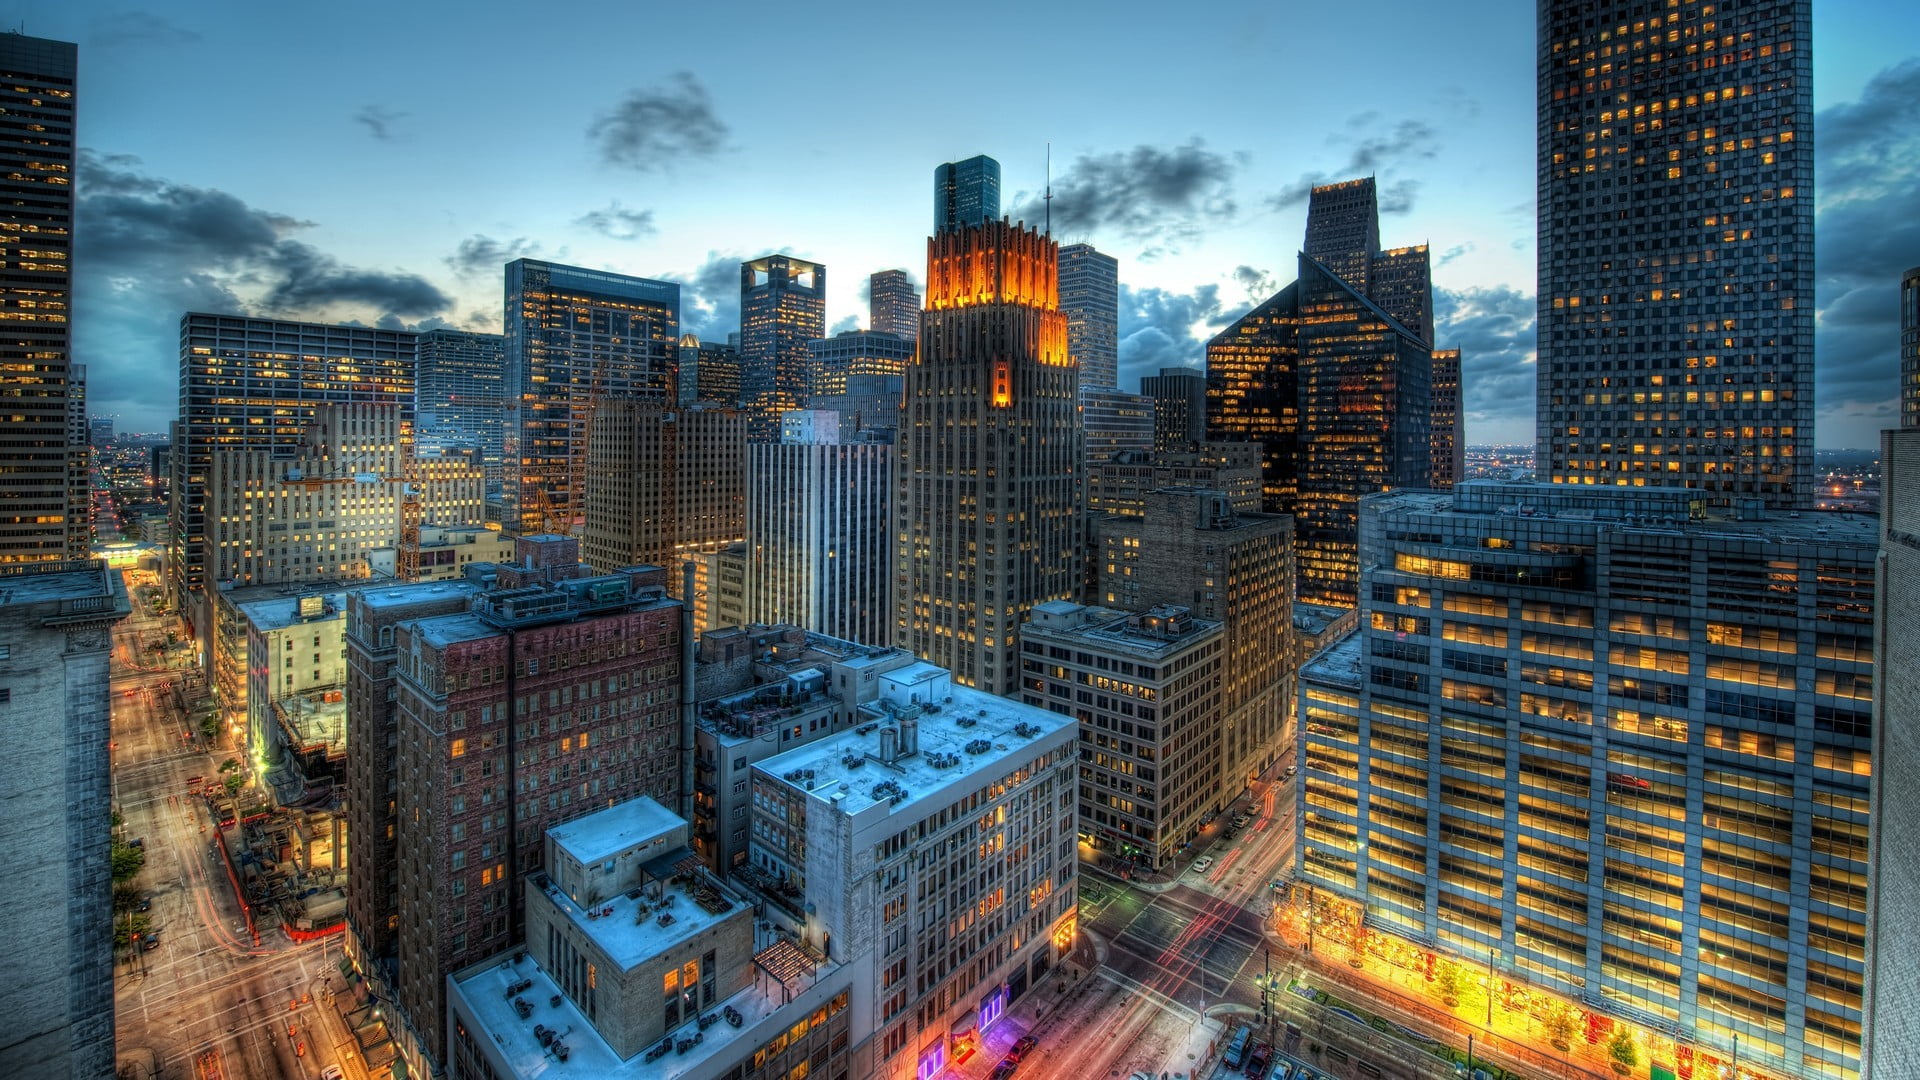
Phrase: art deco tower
(1676,247)
(988,518)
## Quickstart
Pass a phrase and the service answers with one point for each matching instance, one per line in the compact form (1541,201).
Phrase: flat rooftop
(376,597)
(441,631)
(36,583)
(1339,664)
(606,833)
(637,925)
(284,611)
(972,735)
(1109,629)
(1643,509)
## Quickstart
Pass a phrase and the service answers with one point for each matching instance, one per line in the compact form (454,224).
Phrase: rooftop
(1338,664)
(315,718)
(641,923)
(39,582)
(1680,510)
(605,833)
(1153,634)
(395,595)
(284,611)
(441,631)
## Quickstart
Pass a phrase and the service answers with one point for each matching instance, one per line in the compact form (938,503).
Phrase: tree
(234,782)
(126,897)
(1560,1027)
(122,924)
(127,861)
(1621,1049)
(232,764)
(1447,981)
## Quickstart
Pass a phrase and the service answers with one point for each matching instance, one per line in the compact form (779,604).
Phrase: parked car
(333,1072)
(1290,771)
(150,942)
(1202,864)
(145,904)
(1259,1059)
(1021,1047)
(1007,1067)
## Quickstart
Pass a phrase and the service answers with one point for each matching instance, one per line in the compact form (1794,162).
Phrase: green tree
(1560,1023)
(126,897)
(1621,1049)
(1447,981)
(127,861)
(234,782)
(232,764)
(122,925)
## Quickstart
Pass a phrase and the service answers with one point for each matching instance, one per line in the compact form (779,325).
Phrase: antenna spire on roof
(1049,196)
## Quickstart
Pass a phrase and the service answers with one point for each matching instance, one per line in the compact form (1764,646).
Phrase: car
(145,904)
(1021,1047)
(1290,771)
(1240,821)
(1007,1067)
(333,1072)
(150,942)
(1202,864)
(1259,1059)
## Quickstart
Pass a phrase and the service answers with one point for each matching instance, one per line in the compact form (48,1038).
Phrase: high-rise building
(893,305)
(56,619)
(1145,797)
(1179,398)
(1121,483)
(783,306)
(664,484)
(855,352)
(1890,1036)
(296,670)
(1616,751)
(1115,423)
(1448,437)
(44,514)
(709,373)
(100,431)
(869,403)
(482,696)
(459,387)
(965,193)
(1253,392)
(1090,299)
(1676,248)
(575,338)
(818,528)
(79,465)
(990,463)
(1910,348)
(1343,228)
(259,384)
(1400,280)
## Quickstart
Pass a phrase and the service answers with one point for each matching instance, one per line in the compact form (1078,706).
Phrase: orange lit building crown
(994,263)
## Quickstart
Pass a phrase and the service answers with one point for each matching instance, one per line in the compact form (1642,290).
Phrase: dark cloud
(1160,328)
(379,120)
(844,324)
(1867,235)
(710,296)
(149,250)
(1494,330)
(1258,283)
(1148,194)
(479,255)
(1368,152)
(137,28)
(618,223)
(650,128)
(1452,253)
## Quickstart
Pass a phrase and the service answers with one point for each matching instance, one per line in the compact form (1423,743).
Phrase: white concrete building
(818,547)
(296,677)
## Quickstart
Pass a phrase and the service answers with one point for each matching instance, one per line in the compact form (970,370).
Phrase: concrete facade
(818,513)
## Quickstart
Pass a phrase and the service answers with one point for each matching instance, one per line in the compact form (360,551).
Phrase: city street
(207,1001)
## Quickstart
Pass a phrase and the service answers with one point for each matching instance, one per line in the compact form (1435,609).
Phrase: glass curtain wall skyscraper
(1090,297)
(574,337)
(458,390)
(1676,246)
(893,305)
(783,306)
(965,193)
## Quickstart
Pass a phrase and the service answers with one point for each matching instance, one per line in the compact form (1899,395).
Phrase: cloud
(379,120)
(479,255)
(149,249)
(1161,328)
(1161,197)
(710,296)
(1453,253)
(137,28)
(1258,283)
(844,324)
(617,222)
(1368,153)
(648,129)
(1493,327)
(1867,235)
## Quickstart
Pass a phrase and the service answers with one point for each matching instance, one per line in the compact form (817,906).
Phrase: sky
(381,163)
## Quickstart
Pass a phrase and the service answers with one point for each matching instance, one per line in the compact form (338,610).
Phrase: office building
(259,385)
(1253,393)
(1676,248)
(1343,228)
(893,305)
(1615,749)
(832,361)
(1116,423)
(1447,437)
(1090,299)
(965,193)
(445,552)
(818,530)
(990,459)
(575,338)
(1400,280)
(1891,1036)
(44,514)
(556,693)
(1910,348)
(100,431)
(296,676)
(664,484)
(783,306)
(1121,483)
(1190,548)
(56,620)
(1145,687)
(459,387)
(709,373)
(1179,397)
(851,847)
(870,403)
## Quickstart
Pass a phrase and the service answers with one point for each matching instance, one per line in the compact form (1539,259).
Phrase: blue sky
(380,162)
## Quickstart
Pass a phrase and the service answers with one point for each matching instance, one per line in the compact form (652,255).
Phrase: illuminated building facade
(1121,483)
(1623,748)
(1253,392)
(832,361)
(663,484)
(45,512)
(1179,397)
(1090,299)
(1343,228)
(1145,687)
(1448,438)
(1400,280)
(783,306)
(258,385)
(459,387)
(1676,247)
(965,193)
(1910,348)
(893,305)
(575,338)
(1116,423)
(990,459)
(1192,549)
(709,373)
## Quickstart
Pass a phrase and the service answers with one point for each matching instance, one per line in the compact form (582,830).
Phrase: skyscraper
(893,305)
(1676,247)
(42,516)
(1343,228)
(965,193)
(1910,348)
(1090,299)
(459,389)
(1448,437)
(1253,392)
(1179,398)
(664,483)
(783,305)
(988,517)
(709,372)
(575,337)
(832,361)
